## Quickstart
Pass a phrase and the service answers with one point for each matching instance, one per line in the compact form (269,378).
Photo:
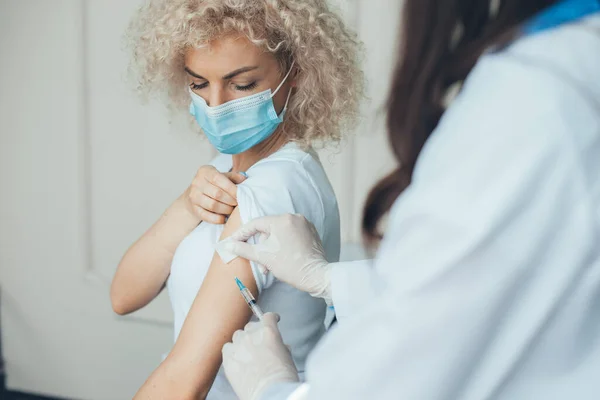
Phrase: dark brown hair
(432,59)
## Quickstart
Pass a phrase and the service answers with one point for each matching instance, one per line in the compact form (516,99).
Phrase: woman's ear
(294,76)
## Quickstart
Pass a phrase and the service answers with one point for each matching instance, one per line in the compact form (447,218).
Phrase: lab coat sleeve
(351,283)
(479,250)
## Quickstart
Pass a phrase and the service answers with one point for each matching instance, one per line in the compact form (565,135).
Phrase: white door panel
(59,334)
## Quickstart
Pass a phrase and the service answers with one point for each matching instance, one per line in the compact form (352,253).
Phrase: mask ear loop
(288,99)
(281,84)
(283,81)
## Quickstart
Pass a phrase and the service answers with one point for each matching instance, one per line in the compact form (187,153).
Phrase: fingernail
(245,175)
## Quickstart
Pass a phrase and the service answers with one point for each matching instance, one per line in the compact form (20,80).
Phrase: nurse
(486,284)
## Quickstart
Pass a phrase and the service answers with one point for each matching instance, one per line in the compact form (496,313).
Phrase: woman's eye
(196,86)
(247,87)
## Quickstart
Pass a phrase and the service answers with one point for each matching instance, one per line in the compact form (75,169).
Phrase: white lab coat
(351,283)
(487,285)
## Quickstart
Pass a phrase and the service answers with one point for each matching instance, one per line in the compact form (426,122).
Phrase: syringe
(249,299)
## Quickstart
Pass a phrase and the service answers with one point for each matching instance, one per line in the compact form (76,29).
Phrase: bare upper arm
(216,313)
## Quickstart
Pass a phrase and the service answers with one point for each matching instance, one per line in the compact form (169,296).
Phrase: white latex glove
(257,358)
(289,247)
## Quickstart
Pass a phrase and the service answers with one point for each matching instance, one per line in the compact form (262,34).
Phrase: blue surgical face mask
(240,124)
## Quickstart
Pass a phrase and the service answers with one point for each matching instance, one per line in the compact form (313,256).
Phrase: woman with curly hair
(264,79)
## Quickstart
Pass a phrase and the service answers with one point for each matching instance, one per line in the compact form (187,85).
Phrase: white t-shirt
(289,181)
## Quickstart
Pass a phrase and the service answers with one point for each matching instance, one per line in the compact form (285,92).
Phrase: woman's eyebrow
(239,71)
(228,76)
(192,73)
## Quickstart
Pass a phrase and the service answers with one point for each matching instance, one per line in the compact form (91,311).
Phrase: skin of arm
(142,272)
(217,312)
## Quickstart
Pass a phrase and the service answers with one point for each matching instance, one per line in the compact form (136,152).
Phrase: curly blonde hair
(330,82)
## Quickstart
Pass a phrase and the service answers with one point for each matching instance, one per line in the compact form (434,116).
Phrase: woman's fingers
(221,188)
(214,206)
(236,177)
(211,198)
(210,217)
(213,194)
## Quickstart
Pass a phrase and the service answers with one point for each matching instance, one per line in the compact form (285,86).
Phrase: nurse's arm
(352,285)
(484,253)
(217,312)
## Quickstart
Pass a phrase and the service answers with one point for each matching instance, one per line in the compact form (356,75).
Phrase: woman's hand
(212,196)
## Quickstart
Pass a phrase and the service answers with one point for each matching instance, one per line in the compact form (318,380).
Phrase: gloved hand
(289,247)
(258,358)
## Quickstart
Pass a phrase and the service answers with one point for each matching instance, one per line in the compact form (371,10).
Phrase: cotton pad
(225,255)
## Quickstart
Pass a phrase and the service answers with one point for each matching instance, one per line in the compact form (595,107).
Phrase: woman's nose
(216,97)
